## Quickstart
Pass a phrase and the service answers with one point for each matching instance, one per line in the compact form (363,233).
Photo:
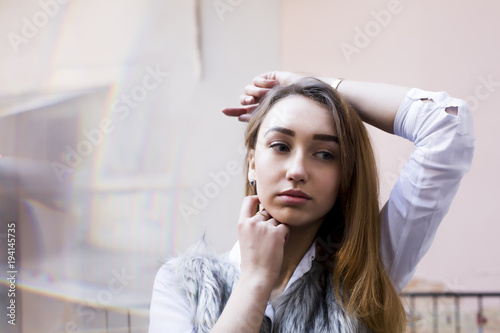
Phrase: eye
(324,155)
(280,147)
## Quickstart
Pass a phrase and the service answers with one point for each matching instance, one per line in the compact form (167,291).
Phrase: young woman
(319,256)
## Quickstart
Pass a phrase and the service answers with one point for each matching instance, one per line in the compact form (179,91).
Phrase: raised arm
(376,103)
(441,128)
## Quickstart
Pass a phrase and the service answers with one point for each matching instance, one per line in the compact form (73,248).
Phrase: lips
(295,193)
(294,197)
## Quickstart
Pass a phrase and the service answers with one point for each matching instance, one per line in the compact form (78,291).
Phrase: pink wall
(434,46)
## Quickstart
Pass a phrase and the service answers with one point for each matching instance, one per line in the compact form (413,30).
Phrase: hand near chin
(262,241)
(255,91)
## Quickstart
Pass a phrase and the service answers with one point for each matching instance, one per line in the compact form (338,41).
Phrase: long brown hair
(362,285)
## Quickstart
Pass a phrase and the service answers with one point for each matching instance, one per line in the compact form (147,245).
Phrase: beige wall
(168,146)
(120,206)
(432,45)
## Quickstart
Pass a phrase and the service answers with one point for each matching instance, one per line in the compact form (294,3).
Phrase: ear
(251,165)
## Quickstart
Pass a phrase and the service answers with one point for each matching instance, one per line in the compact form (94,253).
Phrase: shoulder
(170,310)
(189,287)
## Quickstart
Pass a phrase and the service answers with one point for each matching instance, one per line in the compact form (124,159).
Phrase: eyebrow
(320,137)
(283,130)
(326,137)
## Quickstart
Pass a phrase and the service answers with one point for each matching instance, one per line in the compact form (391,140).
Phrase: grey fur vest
(309,305)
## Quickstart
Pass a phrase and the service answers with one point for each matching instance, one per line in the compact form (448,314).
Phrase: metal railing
(481,319)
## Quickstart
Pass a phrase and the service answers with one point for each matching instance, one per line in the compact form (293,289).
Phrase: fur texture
(308,306)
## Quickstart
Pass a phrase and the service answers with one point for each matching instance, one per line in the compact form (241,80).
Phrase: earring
(252,183)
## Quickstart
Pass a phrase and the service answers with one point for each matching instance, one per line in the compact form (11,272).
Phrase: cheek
(266,166)
(268,177)
(331,187)
(265,180)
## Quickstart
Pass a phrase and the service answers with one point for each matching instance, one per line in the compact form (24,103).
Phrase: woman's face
(296,162)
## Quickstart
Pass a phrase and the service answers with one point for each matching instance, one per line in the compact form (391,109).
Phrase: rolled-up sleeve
(170,310)
(441,129)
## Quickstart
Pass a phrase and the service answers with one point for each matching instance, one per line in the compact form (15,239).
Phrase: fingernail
(248,99)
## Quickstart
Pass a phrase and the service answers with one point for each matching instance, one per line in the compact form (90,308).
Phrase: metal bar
(435,313)
(413,311)
(480,313)
(457,314)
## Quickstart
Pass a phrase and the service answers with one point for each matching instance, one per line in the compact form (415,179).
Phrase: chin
(291,217)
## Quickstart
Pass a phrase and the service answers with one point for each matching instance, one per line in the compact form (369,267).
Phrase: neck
(299,241)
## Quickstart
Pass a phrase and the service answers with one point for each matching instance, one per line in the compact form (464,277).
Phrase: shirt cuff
(406,117)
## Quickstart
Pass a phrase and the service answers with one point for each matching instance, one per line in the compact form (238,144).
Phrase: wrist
(336,83)
(258,282)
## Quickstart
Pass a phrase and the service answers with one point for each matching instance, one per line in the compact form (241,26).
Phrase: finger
(272,221)
(269,76)
(263,215)
(265,81)
(284,230)
(256,92)
(248,207)
(247,100)
(236,112)
(245,118)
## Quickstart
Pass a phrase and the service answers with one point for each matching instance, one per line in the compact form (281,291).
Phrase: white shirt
(442,132)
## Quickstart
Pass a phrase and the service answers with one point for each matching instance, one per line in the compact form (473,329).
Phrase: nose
(297,170)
